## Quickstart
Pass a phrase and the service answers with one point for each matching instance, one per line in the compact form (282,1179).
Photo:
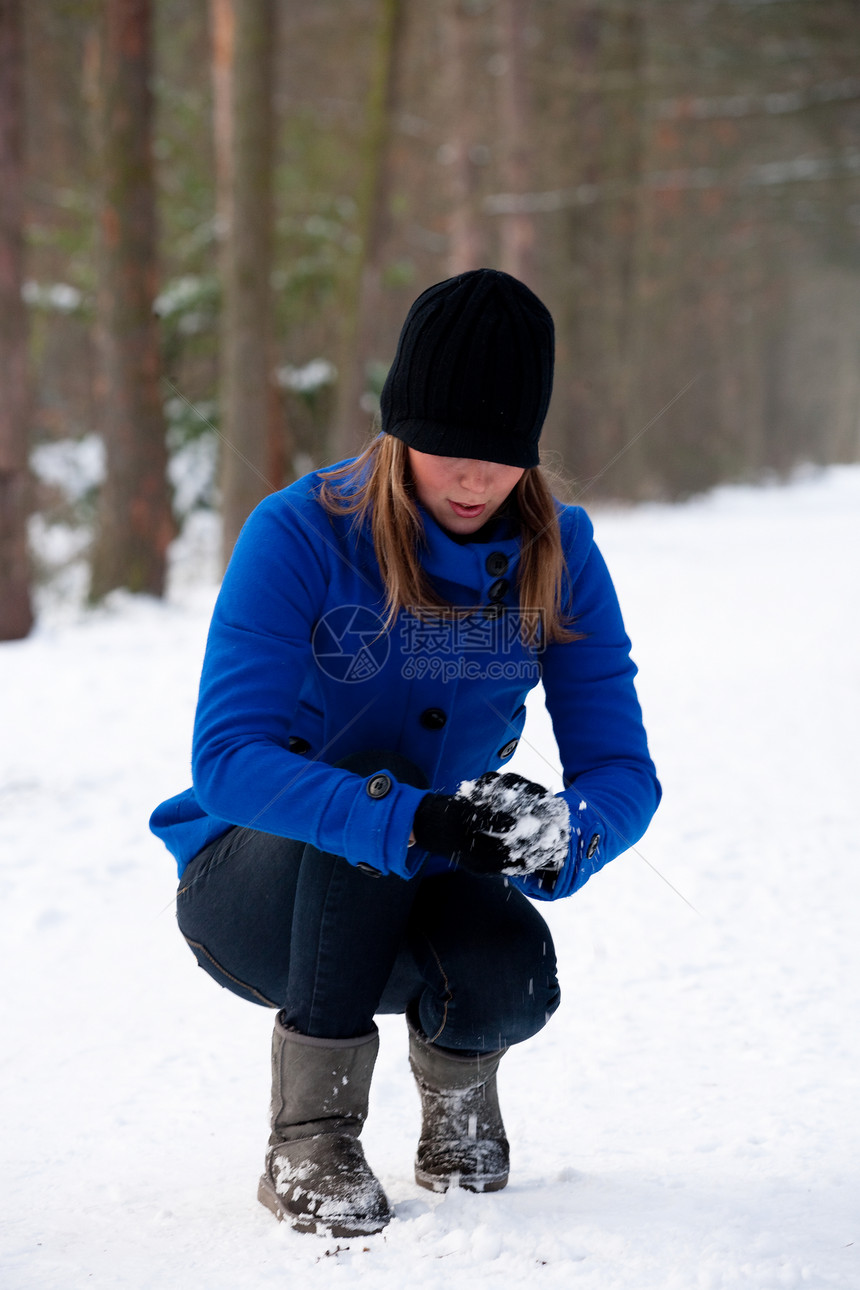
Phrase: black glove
(454,827)
(496,824)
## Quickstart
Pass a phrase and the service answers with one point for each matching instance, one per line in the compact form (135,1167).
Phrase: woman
(352,845)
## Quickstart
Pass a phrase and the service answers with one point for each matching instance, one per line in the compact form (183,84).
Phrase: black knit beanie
(472,375)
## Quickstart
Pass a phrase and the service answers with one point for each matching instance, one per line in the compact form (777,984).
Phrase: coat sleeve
(257,654)
(611,786)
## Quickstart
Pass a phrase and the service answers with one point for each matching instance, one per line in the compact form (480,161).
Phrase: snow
(687,1120)
(61,297)
(73,465)
(539,836)
(180,295)
(308,379)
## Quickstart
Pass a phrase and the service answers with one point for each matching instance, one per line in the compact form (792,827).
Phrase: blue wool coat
(298,673)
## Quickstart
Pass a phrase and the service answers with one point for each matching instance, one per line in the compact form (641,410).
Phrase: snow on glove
(463,831)
(496,824)
(540,834)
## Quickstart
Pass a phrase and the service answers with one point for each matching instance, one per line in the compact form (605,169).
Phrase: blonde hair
(378,485)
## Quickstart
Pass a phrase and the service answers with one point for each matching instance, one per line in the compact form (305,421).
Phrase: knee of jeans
(531,1012)
(370,760)
(481,1017)
(496,1024)
(529,992)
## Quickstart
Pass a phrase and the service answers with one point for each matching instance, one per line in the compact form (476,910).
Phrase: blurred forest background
(214,215)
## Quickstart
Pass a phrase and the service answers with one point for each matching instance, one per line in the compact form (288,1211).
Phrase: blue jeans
(285,925)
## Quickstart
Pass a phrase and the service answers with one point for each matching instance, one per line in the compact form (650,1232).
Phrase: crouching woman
(352,844)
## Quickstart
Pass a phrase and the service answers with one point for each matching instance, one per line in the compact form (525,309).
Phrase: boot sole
(469,1182)
(267,1196)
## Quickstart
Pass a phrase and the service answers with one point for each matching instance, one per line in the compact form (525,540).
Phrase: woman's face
(459,492)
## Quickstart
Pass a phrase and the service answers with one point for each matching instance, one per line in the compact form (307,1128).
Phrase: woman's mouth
(467,512)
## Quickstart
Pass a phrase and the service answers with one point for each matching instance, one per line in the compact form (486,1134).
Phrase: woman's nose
(473,476)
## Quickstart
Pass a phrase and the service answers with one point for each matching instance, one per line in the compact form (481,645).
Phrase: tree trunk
(16,615)
(516,227)
(245,311)
(598,322)
(373,222)
(135,523)
(465,126)
(223,32)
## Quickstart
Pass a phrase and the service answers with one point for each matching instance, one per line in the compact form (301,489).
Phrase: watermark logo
(437,667)
(350,643)
(446,644)
(435,630)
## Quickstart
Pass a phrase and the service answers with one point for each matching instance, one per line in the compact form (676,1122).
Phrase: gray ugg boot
(462,1139)
(316,1175)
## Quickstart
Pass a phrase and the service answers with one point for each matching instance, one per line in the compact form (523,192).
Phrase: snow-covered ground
(688,1120)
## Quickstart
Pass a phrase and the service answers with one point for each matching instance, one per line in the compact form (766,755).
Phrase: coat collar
(460,563)
(465,562)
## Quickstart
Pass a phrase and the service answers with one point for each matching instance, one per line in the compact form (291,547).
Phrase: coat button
(496,564)
(297,745)
(493,611)
(379,786)
(433,718)
(498,589)
(508,748)
(592,846)
(368,869)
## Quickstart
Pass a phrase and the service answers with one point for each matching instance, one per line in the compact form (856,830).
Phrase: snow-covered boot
(316,1175)
(462,1139)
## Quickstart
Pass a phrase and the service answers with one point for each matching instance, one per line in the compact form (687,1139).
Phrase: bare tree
(599,320)
(222,21)
(692,182)
(16,615)
(135,523)
(515,132)
(365,293)
(246,309)
(464,122)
